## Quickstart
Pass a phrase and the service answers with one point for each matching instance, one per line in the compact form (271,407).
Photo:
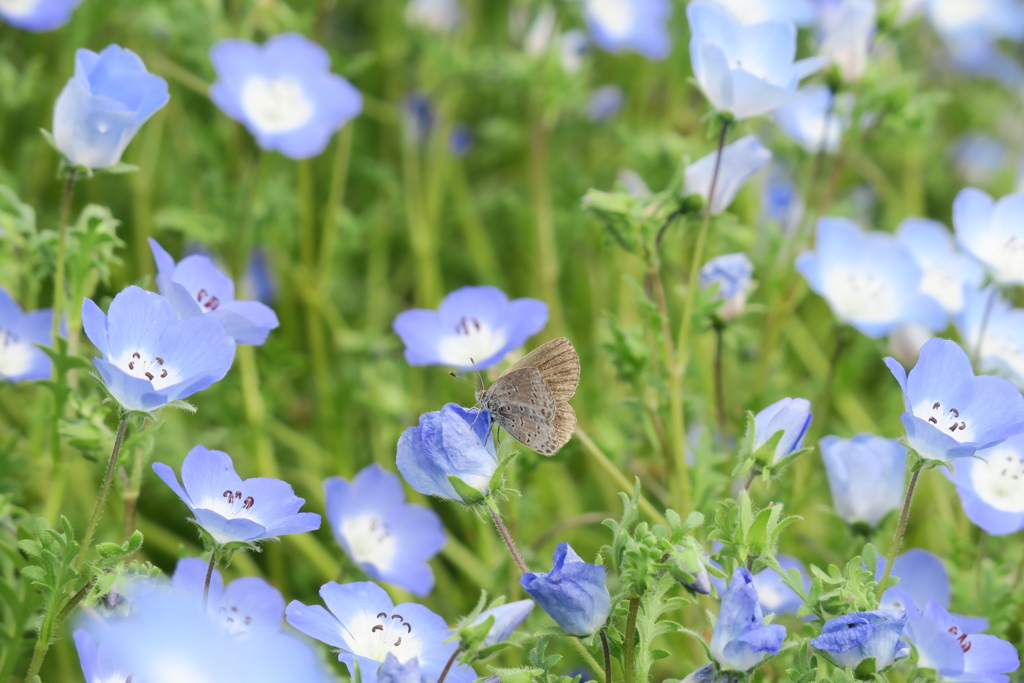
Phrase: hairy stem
(607,657)
(505,536)
(897,539)
(101,501)
(209,577)
(58,267)
(719,327)
(448,666)
(629,640)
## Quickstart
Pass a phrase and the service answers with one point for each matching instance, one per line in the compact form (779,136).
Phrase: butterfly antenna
(464,379)
(479,375)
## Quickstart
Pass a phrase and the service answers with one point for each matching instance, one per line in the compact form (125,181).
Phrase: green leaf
(119,168)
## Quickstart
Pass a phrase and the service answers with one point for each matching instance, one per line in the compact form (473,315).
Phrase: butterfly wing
(559,365)
(565,425)
(521,391)
(528,428)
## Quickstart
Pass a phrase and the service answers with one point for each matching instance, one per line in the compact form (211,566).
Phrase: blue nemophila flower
(740,161)
(605,102)
(922,577)
(20,358)
(741,638)
(846,29)
(165,639)
(977,21)
(733,275)
(439,16)
(195,286)
(956,654)
(869,279)
(744,71)
(639,25)
(816,119)
(792,416)
(363,623)
(991,327)
(232,509)
(799,12)
(247,605)
(388,538)
(852,638)
(781,202)
(946,270)
(507,618)
(37,15)
(451,442)
(991,487)
(774,595)
(394,670)
(283,92)
(473,327)
(573,593)
(104,104)
(992,231)
(150,357)
(951,413)
(865,475)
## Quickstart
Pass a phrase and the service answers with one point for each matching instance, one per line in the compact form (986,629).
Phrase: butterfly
(529,399)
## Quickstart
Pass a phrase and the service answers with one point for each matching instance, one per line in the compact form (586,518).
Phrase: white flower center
(375,635)
(18,8)
(944,286)
(276,105)
(151,368)
(1004,253)
(15,354)
(999,478)
(369,540)
(471,342)
(861,295)
(615,16)
(947,418)
(233,620)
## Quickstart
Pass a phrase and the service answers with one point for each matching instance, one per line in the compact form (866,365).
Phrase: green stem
(505,536)
(588,658)
(897,539)
(629,638)
(618,476)
(678,371)
(58,267)
(540,194)
(101,502)
(719,327)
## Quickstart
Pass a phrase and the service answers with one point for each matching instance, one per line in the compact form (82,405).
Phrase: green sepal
(468,494)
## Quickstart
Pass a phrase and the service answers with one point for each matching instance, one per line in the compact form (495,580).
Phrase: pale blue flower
(391,540)
(474,327)
(638,25)
(573,593)
(605,102)
(974,21)
(247,605)
(781,201)
(799,12)
(994,331)
(150,357)
(744,71)
(104,105)
(195,287)
(950,412)
(869,279)
(365,626)
(865,475)
(957,655)
(816,119)
(792,417)
(978,157)
(852,638)
(37,15)
(451,442)
(232,509)
(946,270)
(283,92)
(773,594)
(740,161)
(733,274)
(991,487)
(20,358)
(741,638)
(992,231)
(395,671)
(922,577)
(846,29)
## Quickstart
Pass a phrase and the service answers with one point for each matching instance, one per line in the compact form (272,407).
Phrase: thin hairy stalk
(448,666)
(719,327)
(505,536)
(897,539)
(629,638)
(678,370)
(607,657)
(101,501)
(209,577)
(62,238)
(750,480)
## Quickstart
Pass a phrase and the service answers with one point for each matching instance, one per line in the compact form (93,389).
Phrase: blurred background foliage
(388,218)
